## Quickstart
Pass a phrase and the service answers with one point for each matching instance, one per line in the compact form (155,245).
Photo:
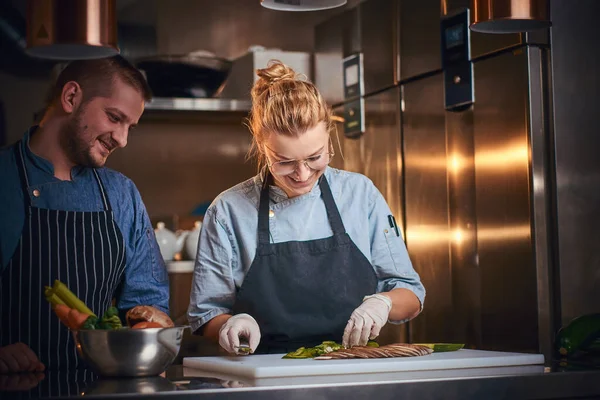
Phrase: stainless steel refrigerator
(468,184)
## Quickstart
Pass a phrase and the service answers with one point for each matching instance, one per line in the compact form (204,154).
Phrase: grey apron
(84,250)
(303,292)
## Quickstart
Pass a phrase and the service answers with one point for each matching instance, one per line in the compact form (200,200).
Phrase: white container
(243,71)
(191,242)
(167,241)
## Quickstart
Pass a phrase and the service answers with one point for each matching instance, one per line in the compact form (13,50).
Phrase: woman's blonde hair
(283,103)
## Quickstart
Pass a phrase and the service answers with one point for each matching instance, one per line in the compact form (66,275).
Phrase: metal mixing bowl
(129,352)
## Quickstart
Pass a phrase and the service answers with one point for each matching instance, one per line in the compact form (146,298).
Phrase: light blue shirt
(228,238)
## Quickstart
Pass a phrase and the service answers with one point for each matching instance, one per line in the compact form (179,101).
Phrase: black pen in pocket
(393,224)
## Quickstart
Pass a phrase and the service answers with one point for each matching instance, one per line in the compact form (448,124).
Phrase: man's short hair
(96,78)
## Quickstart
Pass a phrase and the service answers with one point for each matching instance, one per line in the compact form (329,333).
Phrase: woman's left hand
(367,320)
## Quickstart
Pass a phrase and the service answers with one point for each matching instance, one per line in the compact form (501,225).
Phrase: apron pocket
(393,245)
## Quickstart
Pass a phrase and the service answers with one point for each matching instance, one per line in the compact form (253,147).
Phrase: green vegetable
(319,350)
(90,323)
(442,347)
(111,312)
(110,319)
(302,352)
(51,297)
(580,334)
(60,291)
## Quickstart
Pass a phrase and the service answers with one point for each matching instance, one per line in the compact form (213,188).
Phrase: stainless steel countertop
(553,383)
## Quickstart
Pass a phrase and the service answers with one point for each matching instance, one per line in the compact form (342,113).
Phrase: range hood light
(509,16)
(71,29)
(301,5)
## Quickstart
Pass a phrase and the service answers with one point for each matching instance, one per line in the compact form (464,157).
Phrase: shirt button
(36,193)
(271,213)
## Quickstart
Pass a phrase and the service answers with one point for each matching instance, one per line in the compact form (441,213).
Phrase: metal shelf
(190,104)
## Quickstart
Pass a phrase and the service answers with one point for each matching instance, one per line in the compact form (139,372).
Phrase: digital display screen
(352,75)
(455,36)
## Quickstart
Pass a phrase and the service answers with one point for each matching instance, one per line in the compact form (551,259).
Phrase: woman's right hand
(240,325)
(18,357)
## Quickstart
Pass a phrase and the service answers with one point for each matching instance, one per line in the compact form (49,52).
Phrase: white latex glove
(367,320)
(240,325)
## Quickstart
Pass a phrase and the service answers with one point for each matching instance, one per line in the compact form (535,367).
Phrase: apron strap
(22,173)
(263,212)
(105,200)
(335,220)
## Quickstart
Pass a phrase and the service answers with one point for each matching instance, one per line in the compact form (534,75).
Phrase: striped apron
(84,250)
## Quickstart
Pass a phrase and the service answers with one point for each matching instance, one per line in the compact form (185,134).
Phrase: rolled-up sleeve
(389,256)
(146,281)
(213,288)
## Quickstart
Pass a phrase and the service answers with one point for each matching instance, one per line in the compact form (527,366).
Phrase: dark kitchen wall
(21,98)
(228,27)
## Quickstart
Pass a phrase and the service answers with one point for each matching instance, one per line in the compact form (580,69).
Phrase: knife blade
(244,348)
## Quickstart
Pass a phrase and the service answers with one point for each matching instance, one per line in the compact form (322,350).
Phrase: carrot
(62,312)
(76,319)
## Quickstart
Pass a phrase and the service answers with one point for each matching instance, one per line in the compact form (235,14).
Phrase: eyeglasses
(316,162)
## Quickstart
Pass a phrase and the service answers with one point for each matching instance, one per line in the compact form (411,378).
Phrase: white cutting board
(274,366)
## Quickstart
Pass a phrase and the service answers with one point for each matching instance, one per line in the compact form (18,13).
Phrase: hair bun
(274,73)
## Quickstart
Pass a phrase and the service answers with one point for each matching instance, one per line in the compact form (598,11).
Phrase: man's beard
(77,148)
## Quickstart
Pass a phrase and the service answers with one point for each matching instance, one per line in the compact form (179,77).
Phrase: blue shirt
(145,279)
(228,238)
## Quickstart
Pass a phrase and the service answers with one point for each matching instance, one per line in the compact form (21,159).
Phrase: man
(64,216)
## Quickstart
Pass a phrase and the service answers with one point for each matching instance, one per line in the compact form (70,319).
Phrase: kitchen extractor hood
(509,16)
(301,5)
(235,94)
(71,29)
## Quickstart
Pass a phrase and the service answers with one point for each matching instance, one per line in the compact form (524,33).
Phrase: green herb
(319,350)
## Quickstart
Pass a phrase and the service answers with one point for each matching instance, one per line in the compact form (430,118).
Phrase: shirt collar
(40,162)
(278,195)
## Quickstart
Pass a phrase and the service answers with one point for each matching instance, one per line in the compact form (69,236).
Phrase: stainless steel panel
(427,233)
(504,239)
(370,28)
(532,385)
(420,41)
(378,36)
(377,154)
(328,59)
(419,37)
(335,39)
(351,42)
(466,276)
(542,195)
(576,62)
(482,43)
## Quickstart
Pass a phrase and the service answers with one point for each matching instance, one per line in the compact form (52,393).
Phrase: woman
(302,252)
